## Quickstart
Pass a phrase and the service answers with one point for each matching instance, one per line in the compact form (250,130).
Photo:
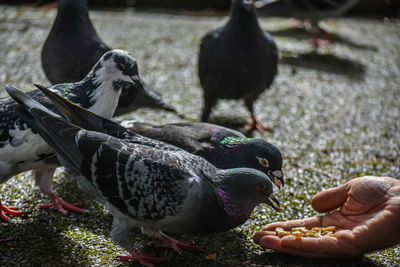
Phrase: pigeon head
(116,70)
(119,68)
(72,6)
(242,189)
(75,12)
(242,12)
(255,153)
(117,65)
(243,5)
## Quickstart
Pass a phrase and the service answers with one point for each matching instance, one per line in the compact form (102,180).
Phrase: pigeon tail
(57,132)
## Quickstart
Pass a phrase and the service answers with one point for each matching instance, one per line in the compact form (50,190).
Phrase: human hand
(365,210)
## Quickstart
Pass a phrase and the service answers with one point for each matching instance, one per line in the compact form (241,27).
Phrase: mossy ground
(335,114)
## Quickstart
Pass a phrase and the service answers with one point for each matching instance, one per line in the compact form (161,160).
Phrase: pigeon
(73,47)
(237,61)
(22,149)
(158,190)
(223,147)
(310,10)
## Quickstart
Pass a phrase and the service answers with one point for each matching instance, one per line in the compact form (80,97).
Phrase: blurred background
(370,7)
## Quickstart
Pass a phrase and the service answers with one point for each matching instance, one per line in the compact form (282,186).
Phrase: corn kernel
(300,232)
(297,234)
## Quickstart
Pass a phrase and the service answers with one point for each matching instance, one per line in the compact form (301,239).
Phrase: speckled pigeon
(22,149)
(310,10)
(223,147)
(237,61)
(156,189)
(73,47)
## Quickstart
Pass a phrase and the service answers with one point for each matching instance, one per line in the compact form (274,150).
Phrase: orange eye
(260,187)
(264,162)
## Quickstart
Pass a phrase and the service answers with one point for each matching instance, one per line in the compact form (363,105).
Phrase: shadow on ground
(324,62)
(300,33)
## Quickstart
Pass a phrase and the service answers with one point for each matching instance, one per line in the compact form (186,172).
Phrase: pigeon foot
(177,245)
(144,259)
(255,124)
(317,41)
(60,204)
(4,210)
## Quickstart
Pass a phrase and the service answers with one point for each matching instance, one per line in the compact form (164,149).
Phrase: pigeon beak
(247,4)
(154,102)
(273,202)
(262,3)
(277,178)
(137,81)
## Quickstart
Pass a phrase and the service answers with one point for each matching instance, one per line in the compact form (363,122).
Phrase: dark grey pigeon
(237,61)
(156,189)
(223,147)
(22,149)
(73,47)
(310,10)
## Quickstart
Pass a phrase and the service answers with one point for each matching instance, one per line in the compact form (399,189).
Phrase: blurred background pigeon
(73,47)
(237,61)
(22,149)
(310,11)
(155,189)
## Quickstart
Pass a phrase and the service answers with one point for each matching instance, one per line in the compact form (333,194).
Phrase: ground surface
(335,115)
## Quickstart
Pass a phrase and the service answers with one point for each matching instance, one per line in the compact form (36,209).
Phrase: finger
(305,247)
(288,225)
(331,199)
(322,247)
(257,236)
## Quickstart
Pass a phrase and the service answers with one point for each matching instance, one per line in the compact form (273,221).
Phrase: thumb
(330,199)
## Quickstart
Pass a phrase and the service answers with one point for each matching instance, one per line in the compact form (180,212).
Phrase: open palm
(366,212)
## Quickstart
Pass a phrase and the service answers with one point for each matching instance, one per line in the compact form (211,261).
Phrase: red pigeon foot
(177,245)
(317,42)
(144,259)
(60,204)
(255,124)
(4,210)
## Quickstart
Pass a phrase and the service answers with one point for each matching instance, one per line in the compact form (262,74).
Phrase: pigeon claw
(317,41)
(177,245)
(62,206)
(4,210)
(256,125)
(144,259)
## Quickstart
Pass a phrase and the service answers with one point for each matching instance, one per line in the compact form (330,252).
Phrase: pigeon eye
(261,187)
(264,162)
(121,67)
